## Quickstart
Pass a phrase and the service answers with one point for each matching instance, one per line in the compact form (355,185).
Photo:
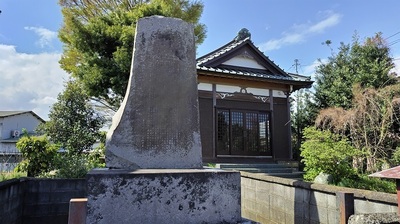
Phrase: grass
(212,165)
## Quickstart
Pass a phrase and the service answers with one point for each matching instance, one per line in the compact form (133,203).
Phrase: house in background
(11,125)
(244,104)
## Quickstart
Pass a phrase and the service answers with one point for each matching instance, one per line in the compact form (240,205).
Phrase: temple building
(244,104)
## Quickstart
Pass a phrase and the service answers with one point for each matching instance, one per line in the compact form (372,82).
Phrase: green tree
(303,115)
(326,152)
(98,40)
(38,155)
(367,64)
(372,124)
(73,123)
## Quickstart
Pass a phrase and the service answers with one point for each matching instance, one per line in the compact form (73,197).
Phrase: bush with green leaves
(395,158)
(96,157)
(38,155)
(11,175)
(323,151)
(369,183)
(70,166)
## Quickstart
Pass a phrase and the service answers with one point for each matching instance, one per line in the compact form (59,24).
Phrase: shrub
(369,183)
(11,175)
(96,157)
(71,165)
(323,151)
(38,155)
(395,159)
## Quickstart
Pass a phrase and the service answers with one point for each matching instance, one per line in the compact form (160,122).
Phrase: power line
(394,42)
(392,35)
(289,68)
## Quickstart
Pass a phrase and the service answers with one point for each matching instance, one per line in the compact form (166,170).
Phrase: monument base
(163,196)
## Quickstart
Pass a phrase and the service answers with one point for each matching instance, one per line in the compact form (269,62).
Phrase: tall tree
(368,64)
(372,124)
(73,123)
(303,115)
(98,40)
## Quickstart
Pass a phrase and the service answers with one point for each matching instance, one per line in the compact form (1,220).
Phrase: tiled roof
(392,173)
(11,113)
(299,77)
(203,64)
(245,72)
(222,50)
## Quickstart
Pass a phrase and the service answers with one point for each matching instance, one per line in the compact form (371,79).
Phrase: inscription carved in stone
(157,125)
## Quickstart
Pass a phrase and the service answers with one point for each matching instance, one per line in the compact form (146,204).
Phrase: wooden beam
(214,119)
(77,211)
(242,83)
(271,109)
(345,204)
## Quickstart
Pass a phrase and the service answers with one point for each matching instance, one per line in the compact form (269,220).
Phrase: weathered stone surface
(157,125)
(163,196)
(323,178)
(375,218)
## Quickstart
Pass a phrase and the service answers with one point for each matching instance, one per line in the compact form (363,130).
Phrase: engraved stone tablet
(157,125)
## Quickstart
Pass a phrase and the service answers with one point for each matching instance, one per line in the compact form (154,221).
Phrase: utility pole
(298,125)
(296,64)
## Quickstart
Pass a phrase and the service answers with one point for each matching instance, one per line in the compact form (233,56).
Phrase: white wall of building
(8,148)
(232,89)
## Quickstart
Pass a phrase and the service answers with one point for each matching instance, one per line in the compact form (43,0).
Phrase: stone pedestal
(163,196)
(156,133)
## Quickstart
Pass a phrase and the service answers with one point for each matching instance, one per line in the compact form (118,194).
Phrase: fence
(32,200)
(265,199)
(269,199)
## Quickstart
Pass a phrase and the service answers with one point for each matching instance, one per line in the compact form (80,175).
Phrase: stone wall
(265,199)
(47,200)
(31,200)
(269,199)
(375,218)
(11,201)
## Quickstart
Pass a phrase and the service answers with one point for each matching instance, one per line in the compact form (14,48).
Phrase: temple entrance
(243,133)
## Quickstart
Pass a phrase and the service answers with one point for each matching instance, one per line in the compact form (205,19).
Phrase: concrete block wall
(268,199)
(11,201)
(265,199)
(31,200)
(47,200)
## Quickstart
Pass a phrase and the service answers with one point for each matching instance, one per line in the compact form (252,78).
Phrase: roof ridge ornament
(243,34)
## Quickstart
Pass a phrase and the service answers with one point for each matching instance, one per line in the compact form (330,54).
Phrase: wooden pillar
(271,109)
(345,204)
(398,196)
(289,125)
(77,211)
(214,120)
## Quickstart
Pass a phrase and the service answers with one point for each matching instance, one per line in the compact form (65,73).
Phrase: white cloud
(45,36)
(299,33)
(29,81)
(396,62)
(332,20)
(309,70)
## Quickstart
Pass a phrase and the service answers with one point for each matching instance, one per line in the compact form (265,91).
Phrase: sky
(285,30)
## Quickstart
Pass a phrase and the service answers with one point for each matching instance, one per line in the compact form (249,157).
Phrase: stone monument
(157,125)
(153,149)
